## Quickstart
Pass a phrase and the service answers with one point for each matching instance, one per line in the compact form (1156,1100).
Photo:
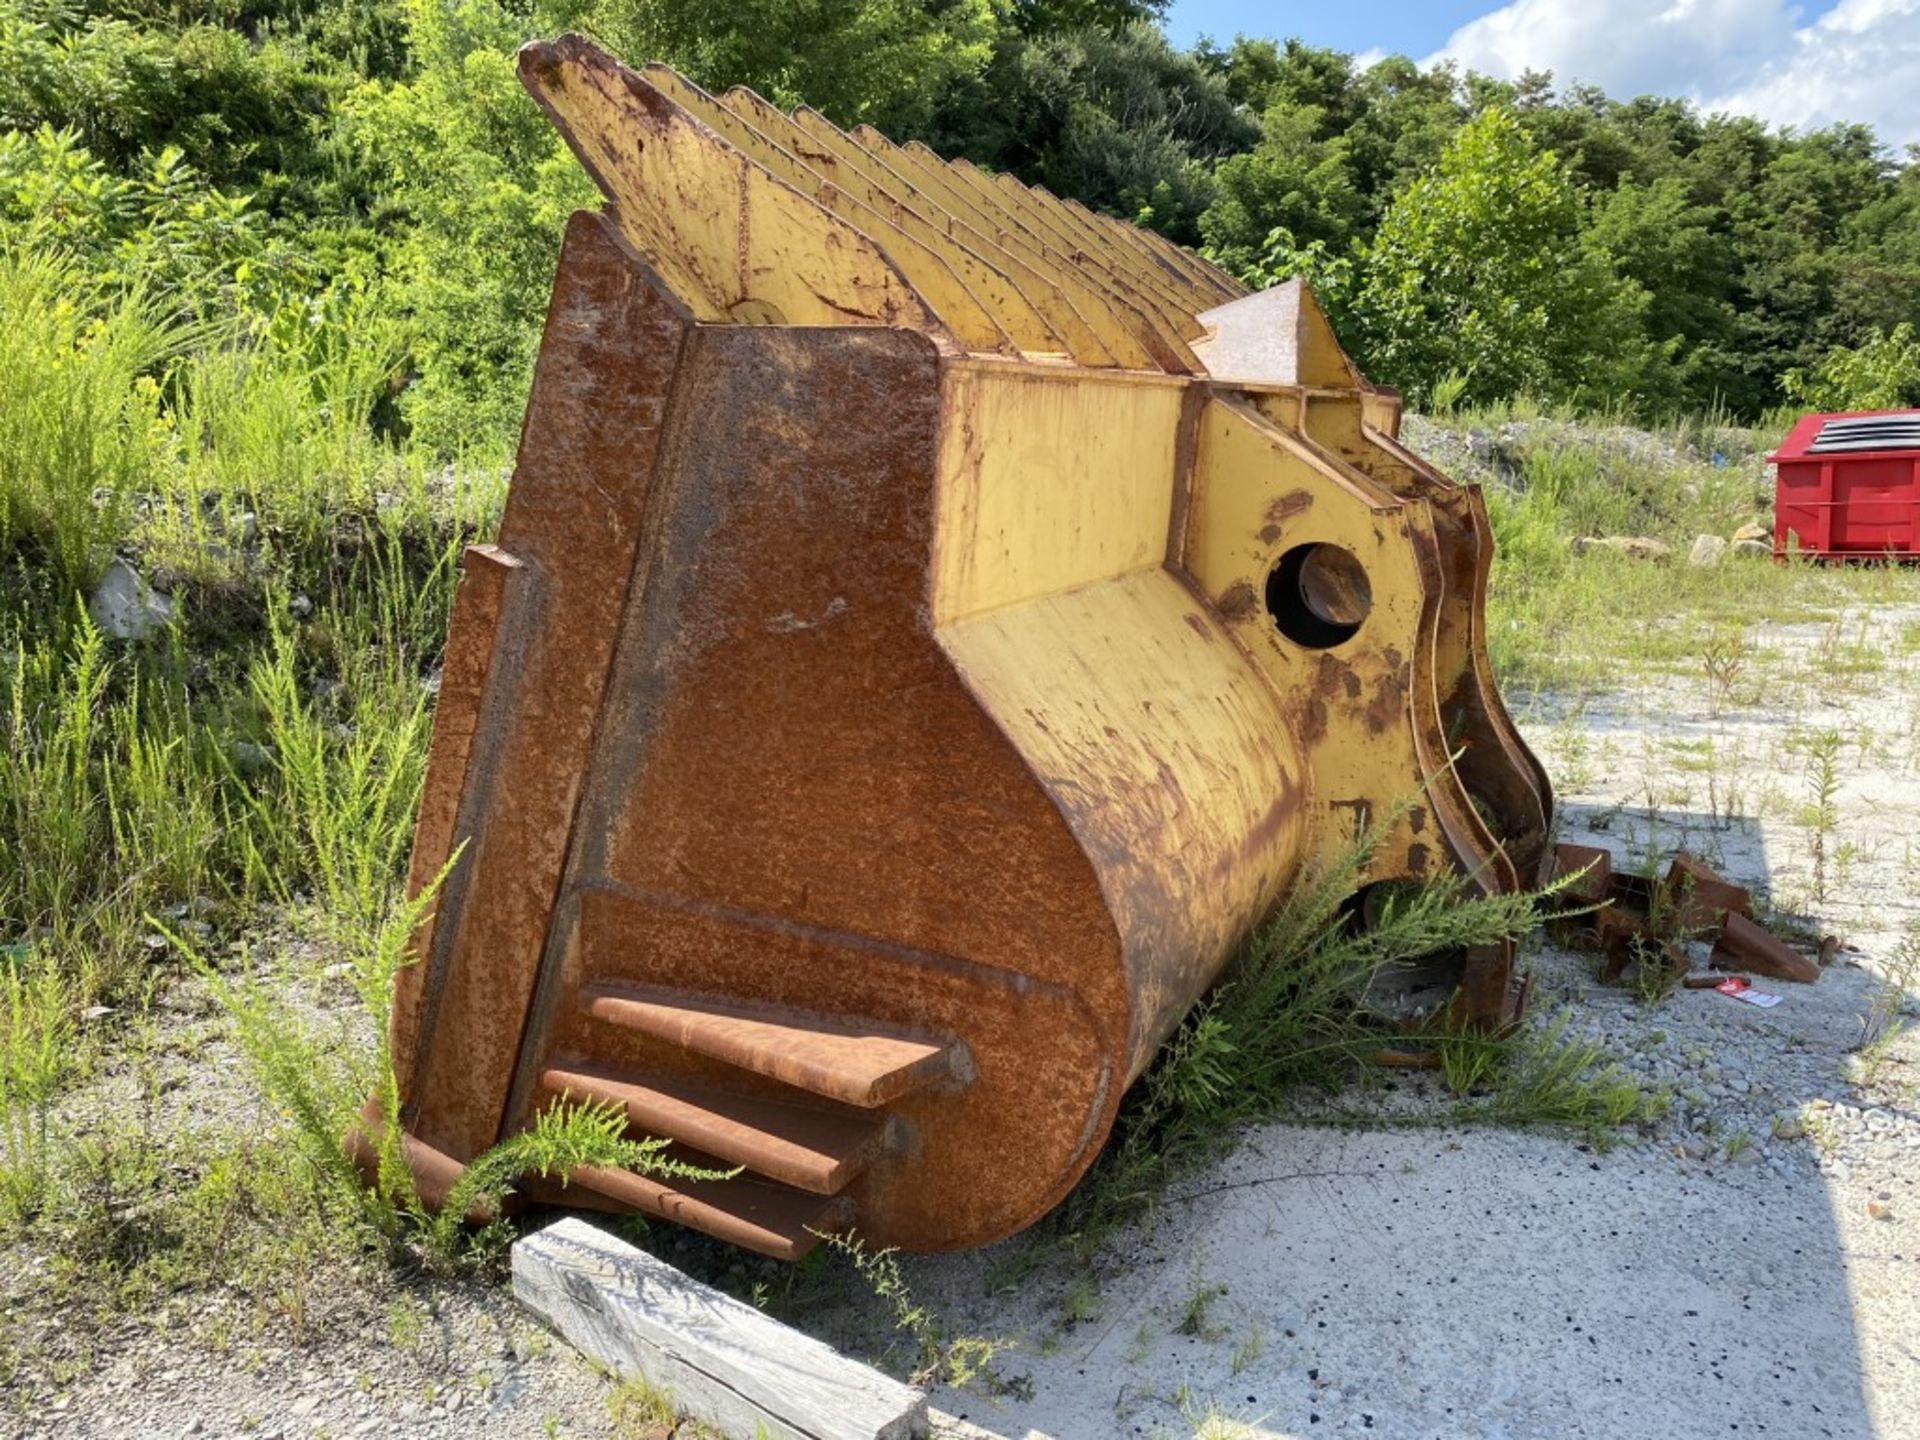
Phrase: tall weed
(284,437)
(36,1053)
(82,427)
(318,1084)
(1287,1014)
(109,806)
(337,813)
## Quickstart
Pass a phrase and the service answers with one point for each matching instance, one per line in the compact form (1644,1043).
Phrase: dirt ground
(1750,1267)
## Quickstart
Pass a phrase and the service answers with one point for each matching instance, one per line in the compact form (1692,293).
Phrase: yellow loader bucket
(931,625)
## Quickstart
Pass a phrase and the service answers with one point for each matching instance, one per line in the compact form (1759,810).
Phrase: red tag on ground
(1741,989)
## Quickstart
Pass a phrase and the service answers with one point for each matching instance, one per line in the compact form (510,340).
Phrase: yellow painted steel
(1204,273)
(1259,492)
(821,142)
(976,192)
(1049,480)
(1045,217)
(1169,351)
(990,280)
(778,219)
(946,287)
(1178,299)
(1175,267)
(1169,759)
(1109,320)
(733,241)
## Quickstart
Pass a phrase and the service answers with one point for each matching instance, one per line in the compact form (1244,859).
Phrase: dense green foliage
(301,172)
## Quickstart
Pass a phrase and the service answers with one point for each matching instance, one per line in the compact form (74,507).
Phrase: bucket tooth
(812,1149)
(771,1219)
(845,1060)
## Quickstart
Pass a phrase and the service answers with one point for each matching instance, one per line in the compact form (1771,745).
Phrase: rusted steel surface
(1638,923)
(931,626)
(1591,870)
(1700,901)
(1630,939)
(1748,946)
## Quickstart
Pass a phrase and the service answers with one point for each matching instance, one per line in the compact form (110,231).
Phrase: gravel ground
(1752,1266)
(466,1363)
(1442,1283)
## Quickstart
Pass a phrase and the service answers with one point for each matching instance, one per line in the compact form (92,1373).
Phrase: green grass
(82,424)
(255,758)
(1587,624)
(1285,1030)
(253,750)
(36,1057)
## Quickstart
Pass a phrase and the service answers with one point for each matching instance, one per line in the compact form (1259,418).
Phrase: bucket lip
(1799,441)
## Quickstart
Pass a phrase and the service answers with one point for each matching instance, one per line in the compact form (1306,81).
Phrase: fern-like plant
(319,1090)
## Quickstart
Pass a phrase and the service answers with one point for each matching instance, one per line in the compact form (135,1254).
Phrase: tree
(1260,74)
(885,63)
(1118,120)
(1881,374)
(1290,180)
(478,189)
(1481,269)
(1045,17)
(1680,255)
(1404,119)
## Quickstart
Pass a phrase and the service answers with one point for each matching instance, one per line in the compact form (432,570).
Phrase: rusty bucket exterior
(930,626)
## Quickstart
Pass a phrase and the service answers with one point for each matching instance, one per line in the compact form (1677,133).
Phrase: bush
(82,427)
(1481,268)
(1881,373)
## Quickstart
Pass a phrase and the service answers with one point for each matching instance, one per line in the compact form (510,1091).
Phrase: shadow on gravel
(1709,1279)
(1642,839)
(1436,1284)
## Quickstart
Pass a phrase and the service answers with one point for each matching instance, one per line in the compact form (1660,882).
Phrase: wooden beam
(724,1363)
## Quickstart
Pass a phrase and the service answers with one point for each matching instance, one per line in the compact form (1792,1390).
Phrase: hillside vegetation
(333,174)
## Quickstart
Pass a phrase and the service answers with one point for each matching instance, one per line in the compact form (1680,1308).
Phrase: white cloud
(1858,62)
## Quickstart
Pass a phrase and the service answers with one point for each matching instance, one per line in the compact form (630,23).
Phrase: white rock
(1708,550)
(126,607)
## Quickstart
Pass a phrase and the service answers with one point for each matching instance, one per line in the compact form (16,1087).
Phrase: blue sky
(1794,62)
(1409,26)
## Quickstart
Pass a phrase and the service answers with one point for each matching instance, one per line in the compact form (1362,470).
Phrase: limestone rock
(1708,550)
(1634,547)
(126,607)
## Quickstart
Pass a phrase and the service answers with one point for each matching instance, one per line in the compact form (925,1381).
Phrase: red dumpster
(1848,486)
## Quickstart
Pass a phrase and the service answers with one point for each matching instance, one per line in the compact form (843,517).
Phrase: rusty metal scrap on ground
(931,624)
(1635,922)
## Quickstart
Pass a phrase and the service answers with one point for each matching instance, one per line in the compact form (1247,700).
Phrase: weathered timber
(723,1363)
